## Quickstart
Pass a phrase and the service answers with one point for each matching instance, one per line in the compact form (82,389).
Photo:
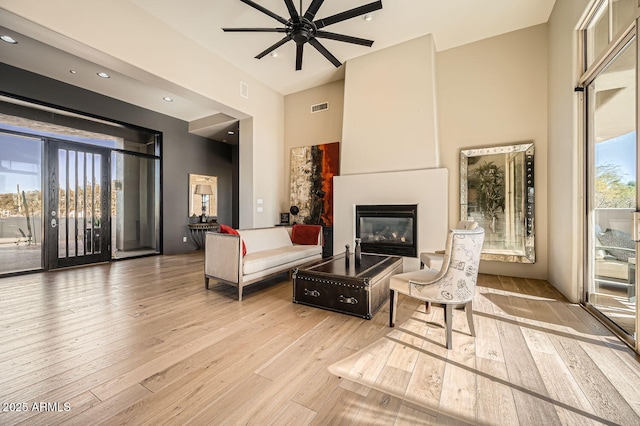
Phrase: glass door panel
(77,225)
(20,203)
(612,171)
(135,205)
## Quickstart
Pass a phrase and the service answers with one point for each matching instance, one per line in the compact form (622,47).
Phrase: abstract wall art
(312,172)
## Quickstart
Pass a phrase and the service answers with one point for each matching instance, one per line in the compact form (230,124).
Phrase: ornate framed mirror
(497,191)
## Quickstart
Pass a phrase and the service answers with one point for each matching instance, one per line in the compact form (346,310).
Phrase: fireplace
(388,229)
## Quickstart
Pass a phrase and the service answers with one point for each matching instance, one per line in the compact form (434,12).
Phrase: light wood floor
(141,342)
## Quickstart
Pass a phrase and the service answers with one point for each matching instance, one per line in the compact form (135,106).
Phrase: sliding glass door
(135,204)
(612,170)
(20,203)
(81,192)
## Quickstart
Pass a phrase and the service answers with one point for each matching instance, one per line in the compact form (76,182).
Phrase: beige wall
(303,128)
(494,92)
(503,101)
(390,119)
(565,194)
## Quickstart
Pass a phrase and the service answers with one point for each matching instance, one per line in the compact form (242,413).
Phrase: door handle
(53,223)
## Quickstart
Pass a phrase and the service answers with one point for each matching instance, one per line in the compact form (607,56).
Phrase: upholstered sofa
(246,256)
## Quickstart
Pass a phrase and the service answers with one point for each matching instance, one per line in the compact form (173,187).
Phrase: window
(606,22)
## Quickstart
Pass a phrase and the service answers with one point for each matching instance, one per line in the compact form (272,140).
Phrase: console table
(198,230)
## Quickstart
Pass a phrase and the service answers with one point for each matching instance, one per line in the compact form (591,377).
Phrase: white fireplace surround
(428,188)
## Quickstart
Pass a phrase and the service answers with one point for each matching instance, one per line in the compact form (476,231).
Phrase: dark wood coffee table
(354,290)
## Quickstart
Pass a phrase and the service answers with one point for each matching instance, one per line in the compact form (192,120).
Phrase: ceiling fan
(301,28)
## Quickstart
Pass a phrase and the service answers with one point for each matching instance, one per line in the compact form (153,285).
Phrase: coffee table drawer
(336,296)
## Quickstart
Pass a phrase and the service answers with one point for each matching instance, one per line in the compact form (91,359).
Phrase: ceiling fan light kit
(303,29)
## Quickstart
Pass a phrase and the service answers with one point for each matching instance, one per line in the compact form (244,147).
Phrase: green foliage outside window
(610,191)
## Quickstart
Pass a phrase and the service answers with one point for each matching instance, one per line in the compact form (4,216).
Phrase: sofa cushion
(265,259)
(305,234)
(611,239)
(265,238)
(225,229)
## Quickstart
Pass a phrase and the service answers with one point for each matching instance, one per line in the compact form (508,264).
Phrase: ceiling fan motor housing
(302,32)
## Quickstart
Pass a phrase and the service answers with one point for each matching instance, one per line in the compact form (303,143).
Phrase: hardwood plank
(530,395)
(322,384)
(409,416)
(494,394)
(340,408)
(102,412)
(157,348)
(293,414)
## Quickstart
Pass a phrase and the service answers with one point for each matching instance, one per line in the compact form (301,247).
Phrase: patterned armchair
(451,286)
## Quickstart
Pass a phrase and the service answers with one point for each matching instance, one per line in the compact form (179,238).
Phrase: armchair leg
(427,307)
(448,323)
(206,282)
(469,309)
(392,308)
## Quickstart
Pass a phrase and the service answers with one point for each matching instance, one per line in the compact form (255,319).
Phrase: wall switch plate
(260,201)
(184,239)
(260,209)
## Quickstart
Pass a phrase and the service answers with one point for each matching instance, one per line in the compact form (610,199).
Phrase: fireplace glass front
(387,229)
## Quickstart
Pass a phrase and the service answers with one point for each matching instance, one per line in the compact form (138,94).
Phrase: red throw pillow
(224,229)
(305,234)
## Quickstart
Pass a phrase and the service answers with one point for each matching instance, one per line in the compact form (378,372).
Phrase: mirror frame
(526,254)
(195,200)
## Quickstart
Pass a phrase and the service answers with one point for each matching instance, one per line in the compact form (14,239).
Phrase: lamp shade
(203,190)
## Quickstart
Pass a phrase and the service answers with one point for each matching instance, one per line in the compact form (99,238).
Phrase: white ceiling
(452,23)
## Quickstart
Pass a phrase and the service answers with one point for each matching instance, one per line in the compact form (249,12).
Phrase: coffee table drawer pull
(349,300)
(314,293)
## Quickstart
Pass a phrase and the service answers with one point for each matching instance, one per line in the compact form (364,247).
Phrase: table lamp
(203,190)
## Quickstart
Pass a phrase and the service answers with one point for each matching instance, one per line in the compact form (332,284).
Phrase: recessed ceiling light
(368,17)
(8,39)
(168,99)
(103,74)
(274,54)
(230,132)
(73,71)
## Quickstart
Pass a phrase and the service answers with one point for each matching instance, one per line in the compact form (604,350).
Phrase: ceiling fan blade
(255,30)
(352,13)
(265,11)
(292,10)
(345,38)
(272,48)
(299,49)
(313,9)
(320,48)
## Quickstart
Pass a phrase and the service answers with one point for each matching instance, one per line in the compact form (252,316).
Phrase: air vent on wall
(320,107)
